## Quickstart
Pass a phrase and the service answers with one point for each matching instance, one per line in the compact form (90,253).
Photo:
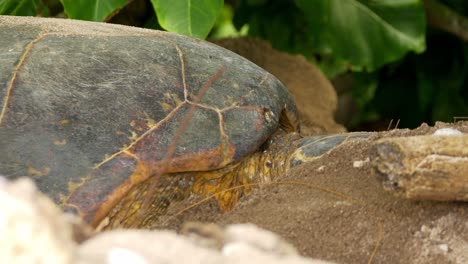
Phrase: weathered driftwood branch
(424,167)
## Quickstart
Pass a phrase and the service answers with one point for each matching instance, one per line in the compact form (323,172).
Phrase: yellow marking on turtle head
(230,101)
(64,122)
(72,186)
(60,142)
(171,98)
(143,135)
(136,125)
(149,121)
(176,99)
(35,172)
(134,136)
(124,147)
(166,107)
(62,198)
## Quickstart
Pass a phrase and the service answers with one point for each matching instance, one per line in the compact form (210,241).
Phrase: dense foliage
(404,62)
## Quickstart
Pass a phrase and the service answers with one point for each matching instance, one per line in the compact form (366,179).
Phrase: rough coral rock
(34,230)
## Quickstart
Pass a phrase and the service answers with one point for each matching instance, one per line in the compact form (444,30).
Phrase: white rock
(171,248)
(444,248)
(32,228)
(150,246)
(447,132)
(258,238)
(119,255)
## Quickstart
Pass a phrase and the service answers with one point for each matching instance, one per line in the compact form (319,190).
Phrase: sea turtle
(105,117)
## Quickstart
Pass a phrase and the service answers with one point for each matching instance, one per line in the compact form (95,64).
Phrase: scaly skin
(265,165)
(279,154)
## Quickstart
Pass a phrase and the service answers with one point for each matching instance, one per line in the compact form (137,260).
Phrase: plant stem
(443,17)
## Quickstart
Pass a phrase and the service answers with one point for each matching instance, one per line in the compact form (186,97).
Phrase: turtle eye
(268,163)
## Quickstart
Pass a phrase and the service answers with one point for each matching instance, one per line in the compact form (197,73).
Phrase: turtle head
(310,148)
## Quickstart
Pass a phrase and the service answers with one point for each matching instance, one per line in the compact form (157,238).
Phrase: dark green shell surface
(85,105)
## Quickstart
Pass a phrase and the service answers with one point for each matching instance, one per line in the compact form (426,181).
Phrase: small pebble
(360,163)
(425,229)
(444,248)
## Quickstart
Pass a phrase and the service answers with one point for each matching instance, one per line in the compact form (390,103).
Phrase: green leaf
(365,34)
(278,21)
(189,17)
(23,8)
(224,28)
(93,10)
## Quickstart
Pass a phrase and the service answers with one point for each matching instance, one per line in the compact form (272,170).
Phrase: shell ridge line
(182,64)
(216,110)
(72,188)
(225,137)
(234,106)
(181,58)
(15,73)
(127,149)
(196,102)
(203,106)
